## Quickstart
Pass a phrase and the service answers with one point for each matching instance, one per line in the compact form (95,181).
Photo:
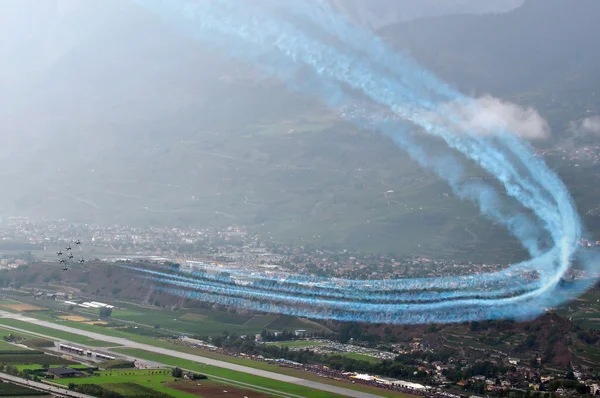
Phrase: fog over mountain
(108,115)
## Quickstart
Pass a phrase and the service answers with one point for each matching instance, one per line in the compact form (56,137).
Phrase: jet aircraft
(59,253)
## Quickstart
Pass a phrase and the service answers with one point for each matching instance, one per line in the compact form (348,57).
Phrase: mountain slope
(542,44)
(131,122)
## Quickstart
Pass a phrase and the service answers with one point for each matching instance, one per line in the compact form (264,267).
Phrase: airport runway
(195,358)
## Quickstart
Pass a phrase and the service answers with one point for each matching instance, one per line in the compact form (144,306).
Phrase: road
(43,386)
(195,358)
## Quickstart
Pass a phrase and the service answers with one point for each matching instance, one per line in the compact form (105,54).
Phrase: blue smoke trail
(265,285)
(360,66)
(316,307)
(475,151)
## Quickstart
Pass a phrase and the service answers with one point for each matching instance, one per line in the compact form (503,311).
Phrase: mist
(590,125)
(492,116)
(104,102)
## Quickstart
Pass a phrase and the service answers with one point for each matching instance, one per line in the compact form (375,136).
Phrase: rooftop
(64,371)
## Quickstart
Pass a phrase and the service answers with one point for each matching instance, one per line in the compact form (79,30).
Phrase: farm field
(203,321)
(218,371)
(129,383)
(171,322)
(212,372)
(74,318)
(126,379)
(95,327)
(26,357)
(210,389)
(21,307)
(261,321)
(152,321)
(585,310)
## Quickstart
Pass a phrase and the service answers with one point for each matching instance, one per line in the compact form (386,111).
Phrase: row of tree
(14,371)
(287,335)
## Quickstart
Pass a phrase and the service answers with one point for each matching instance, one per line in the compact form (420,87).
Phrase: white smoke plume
(488,115)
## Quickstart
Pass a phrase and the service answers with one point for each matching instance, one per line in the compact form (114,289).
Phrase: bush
(39,343)
(97,391)
(117,364)
(196,376)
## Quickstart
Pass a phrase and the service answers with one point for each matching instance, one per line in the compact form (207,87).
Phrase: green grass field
(207,322)
(53,333)
(229,374)
(4,346)
(260,381)
(189,321)
(360,357)
(300,343)
(291,323)
(116,313)
(261,321)
(25,336)
(52,365)
(116,380)
(137,390)
(33,359)
(220,372)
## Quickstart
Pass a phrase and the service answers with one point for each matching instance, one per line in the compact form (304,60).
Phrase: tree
(72,386)
(105,312)
(570,375)
(217,341)
(583,389)
(177,372)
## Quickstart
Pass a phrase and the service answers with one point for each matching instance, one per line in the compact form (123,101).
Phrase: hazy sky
(81,78)
(377,13)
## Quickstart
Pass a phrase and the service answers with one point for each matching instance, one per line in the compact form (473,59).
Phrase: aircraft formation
(69,258)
